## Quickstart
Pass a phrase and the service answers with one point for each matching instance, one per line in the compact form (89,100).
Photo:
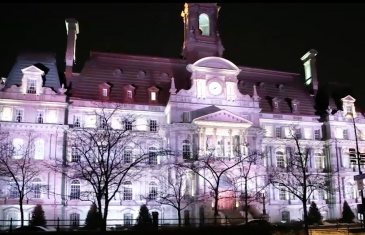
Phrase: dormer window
(275,104)
(295,106)
(32,86)
(153,96)
(32,80)
(129,93)
(104,91)
(348,106)
(153,93)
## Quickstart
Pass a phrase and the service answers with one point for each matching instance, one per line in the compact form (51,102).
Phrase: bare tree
(251,180)
(175,189)
(295,176)
(219,174)
(19,169)
(105,152)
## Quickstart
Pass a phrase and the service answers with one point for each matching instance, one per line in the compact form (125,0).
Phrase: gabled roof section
(222,118)
(44,62)
(33,69)
(348,98)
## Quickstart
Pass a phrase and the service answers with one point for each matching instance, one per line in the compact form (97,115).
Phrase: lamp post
(350,115)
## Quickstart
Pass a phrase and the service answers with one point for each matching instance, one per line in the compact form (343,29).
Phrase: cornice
(291,141)
(24,125)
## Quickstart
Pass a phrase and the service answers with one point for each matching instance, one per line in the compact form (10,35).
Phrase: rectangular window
(40,116)
(186,116)
(77,121)
(127,156)
(278,132)
(317,134)
(103,122)
(282,194)
(7,114)
(153,126)
(129,94)
(32,86)
(75,154)
(153,95)
(348,108)
(105,92)
(19,115)
(298,133)
(128,125)
(295,107)
(127,193)
(345,134)
(13,192)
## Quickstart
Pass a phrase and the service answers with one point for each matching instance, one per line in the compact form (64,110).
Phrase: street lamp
(350,115)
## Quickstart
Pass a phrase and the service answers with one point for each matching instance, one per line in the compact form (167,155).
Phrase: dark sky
(271,36)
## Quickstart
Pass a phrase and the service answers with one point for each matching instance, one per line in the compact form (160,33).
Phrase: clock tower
(201,37)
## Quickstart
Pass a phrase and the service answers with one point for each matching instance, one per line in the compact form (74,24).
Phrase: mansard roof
(43,61)
(101,68)
(294,90)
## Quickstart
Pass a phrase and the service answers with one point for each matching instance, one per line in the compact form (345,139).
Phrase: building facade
(193,103)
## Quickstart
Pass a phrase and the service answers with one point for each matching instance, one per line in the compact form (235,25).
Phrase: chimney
(72,27)
(309,62)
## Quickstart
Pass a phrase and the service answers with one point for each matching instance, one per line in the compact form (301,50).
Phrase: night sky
(270,36)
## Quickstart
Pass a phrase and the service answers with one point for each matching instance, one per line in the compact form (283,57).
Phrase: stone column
(231,142)
(241,141)
(204,148)
(215,140)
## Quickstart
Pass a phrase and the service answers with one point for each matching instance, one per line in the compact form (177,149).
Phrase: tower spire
(172,88)
(201,36)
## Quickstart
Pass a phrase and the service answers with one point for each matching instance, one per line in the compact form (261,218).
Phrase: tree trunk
(305,215)
(246,203)
(21,211)
(103,225)
(216,198)
(100,215)
(179,216)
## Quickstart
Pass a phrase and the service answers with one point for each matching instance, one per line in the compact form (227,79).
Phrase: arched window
(74,220)
(127,191)
(152,156)
(39,149)
(318,161)
(127,155)
(186,149)
(280,161)
(75,190)
(36,188)
(17,148)
(285,216)
(349,191)
(14,216)
(204,24)
(152,195)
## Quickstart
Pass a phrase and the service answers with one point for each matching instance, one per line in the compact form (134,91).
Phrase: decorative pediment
(213,63)
(129,87)
(153,88)
(276,99)
(295,101)
(222,118)
(348,99)
(104,85)
(32,69)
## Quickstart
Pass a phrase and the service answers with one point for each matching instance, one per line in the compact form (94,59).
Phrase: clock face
(215,88)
